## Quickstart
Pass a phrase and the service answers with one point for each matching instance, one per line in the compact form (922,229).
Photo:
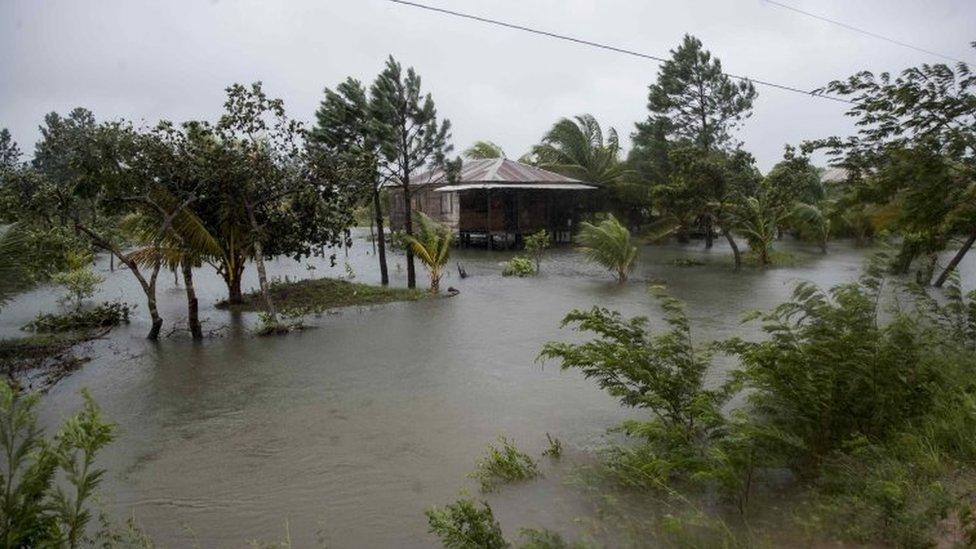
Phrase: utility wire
(863,31)
(608,47)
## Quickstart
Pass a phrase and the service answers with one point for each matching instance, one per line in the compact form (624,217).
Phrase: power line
(608,47)
(863,31)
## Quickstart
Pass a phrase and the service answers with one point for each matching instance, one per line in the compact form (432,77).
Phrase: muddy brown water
(348,431)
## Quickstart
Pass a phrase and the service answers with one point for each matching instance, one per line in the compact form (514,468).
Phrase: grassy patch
(317,295)
(505,464)
(103,315)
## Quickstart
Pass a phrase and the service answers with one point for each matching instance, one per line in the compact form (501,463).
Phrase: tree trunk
(408,228)
(157,321)
(232,276)
(148,286)
(954,262)
(192,305)
(707,222)
(262,273)
(380,238)
(736,255)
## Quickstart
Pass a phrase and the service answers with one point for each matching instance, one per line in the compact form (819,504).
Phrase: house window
(446,205)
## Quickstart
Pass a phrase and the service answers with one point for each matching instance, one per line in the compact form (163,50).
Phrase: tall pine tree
(405,123)
(692,104)
(344,130)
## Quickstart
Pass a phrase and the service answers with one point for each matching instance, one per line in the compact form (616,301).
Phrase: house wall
(442,207)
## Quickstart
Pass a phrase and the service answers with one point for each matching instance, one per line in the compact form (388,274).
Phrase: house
(497,201)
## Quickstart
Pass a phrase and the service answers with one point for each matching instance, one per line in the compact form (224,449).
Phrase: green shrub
(35,512)
(103,315)
(519,266)
(462,525)
(536,245)
(505,464)
(831,370)
(663,374)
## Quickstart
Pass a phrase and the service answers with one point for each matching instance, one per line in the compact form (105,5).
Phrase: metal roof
(549,186)
(499,171)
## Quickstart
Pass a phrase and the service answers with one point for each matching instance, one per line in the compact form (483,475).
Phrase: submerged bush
(462,525)
(103,315)
(505,464)
(519,266)
(536,245)
(872,409)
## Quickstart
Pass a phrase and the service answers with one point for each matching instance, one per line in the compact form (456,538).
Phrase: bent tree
(344,130)
(100,172)
(915,149)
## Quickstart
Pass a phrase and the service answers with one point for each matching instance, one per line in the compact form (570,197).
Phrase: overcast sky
(147,60)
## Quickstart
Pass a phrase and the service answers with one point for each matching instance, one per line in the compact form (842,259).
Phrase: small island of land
(316,295)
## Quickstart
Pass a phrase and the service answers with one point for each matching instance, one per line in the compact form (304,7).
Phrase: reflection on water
(354,427)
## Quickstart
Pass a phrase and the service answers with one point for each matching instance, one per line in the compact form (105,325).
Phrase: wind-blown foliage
(432,246)
(695,101)
(608,244)
(916,146)
(758,218)
(482,150)
(34,510)
(404,121)
(661,373)
(461,525)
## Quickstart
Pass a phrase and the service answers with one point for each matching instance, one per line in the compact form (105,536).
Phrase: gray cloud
(147,60)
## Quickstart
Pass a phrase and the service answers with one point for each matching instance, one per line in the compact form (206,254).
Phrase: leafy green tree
(264,180)
(536,245)
(916,145)
(705,186)
(608,244)
(578,148)
(663,374)
(97,173)
(482,150)
(80,280)
(432,246)
(345,128)
(405,123)
(759,217)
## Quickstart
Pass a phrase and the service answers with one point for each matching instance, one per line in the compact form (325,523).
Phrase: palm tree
(483,149)
(577,148)
(758,218)
(431,244)
(608,244)
(814,221)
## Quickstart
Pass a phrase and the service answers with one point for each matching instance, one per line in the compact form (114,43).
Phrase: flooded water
(348,431)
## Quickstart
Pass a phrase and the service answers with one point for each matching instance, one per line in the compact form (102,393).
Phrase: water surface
(348,431)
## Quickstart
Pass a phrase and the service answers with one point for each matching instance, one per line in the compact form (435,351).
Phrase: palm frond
(608,244)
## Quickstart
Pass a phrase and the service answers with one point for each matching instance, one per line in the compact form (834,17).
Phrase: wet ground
(348,431)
